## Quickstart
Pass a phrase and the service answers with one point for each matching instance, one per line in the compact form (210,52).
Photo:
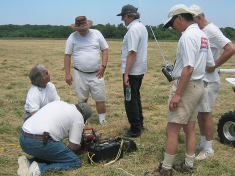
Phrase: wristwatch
(104,66)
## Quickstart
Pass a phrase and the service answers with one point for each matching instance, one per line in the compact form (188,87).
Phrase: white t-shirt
(217,43)
(136,39)
(38,97)
(60,119)
(193,50)
(86,50)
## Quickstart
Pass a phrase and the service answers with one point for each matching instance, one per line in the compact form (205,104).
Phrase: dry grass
(17,57)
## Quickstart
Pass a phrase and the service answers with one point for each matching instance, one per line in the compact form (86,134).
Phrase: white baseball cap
(176,10)
(196,9)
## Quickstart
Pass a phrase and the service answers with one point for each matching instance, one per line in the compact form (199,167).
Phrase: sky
(64,12)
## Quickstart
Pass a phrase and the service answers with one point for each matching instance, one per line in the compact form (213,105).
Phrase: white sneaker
(23,166)
(34,169)
(204,154)
(199,147)
(103,122)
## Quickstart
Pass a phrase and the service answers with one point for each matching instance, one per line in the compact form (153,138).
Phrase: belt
(83,71)
(35,136)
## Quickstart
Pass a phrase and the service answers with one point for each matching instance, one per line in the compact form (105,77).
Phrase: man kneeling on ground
(42,134)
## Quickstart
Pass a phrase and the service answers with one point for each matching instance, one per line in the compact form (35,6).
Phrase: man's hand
(174,103)
(69,79)
(100,72)
(210,69)
(126,81)
(183,82)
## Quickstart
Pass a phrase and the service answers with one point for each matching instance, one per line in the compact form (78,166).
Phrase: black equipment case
(105,150)
(109,149)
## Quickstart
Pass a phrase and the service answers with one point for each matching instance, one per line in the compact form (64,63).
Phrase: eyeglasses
(172,21)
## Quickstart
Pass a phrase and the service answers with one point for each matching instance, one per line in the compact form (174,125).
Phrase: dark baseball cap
(128,9)
(85,110)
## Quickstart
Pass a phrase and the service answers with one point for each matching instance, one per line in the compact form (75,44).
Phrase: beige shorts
(89,82)
(189,103)
(210,95)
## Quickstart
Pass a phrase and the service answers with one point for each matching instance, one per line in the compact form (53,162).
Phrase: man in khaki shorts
(85,44)
(186,94)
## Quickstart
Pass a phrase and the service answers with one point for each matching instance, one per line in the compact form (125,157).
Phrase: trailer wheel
(226,128)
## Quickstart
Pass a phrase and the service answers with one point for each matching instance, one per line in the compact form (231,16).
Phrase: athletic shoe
(199,147)
(183,168)
(204,154)
(160,171)
(103,122)
(34,170)
(23,165)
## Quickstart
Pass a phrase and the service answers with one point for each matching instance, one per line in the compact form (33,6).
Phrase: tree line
(108,31)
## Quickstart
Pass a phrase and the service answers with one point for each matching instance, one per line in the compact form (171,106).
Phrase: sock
(102,117)
(203,141)
(168,161)
(208,145)
(189,160)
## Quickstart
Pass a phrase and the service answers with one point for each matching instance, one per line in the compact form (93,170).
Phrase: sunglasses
(172,21)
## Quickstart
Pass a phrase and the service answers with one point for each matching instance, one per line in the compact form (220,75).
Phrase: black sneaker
(132,135)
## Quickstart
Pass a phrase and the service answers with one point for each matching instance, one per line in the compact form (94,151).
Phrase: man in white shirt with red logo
(186,94)
(211,81)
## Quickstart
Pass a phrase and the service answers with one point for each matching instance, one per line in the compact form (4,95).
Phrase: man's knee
(205,116)
(172,129)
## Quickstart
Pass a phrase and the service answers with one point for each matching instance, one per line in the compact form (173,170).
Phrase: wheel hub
(229,130)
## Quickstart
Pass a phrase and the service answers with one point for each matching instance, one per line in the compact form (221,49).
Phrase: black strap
(83,71)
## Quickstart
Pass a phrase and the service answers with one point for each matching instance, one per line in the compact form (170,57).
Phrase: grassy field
(17,57)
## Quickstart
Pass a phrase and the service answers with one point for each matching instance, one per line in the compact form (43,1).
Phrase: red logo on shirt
(204,43)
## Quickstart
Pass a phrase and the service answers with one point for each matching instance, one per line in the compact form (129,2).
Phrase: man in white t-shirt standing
(85,44)
(134,66)
(42,91)
(42,134)
(211,80)
(186,94)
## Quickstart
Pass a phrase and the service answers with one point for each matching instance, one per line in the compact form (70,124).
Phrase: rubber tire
(226,128)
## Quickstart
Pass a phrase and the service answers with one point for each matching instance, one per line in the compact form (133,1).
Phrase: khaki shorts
(89,82)
(189,103)
(210,95)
